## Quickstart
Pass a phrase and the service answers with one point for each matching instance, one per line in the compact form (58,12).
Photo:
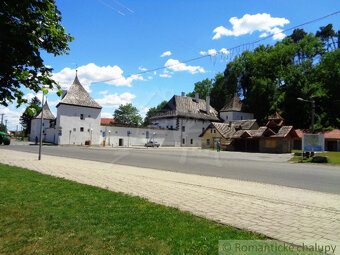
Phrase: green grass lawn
(333,157)
(40,214)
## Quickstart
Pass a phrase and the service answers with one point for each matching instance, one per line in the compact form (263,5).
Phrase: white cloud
(12,117)
(212,52)
(104,92)
(115,100)
(108,115)
(144,109)
(203,53)
(224,51)
(90,73)
(166,53)
(176,66)
(143,69)
(251,23)
(164,75)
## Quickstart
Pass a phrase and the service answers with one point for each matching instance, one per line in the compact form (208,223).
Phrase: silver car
(152,144)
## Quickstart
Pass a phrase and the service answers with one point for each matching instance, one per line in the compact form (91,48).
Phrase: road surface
(263,168)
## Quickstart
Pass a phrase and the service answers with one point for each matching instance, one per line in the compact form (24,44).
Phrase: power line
(238,47)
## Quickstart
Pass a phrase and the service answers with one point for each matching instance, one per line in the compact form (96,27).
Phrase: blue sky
(118,38)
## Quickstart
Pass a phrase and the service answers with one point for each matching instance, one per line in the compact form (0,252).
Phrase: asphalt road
(242,166)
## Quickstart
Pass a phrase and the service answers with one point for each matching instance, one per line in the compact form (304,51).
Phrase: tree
(32,109)
(152,111)
(127,114)
(28,28)
(202,88)
(3,128)
(327,34)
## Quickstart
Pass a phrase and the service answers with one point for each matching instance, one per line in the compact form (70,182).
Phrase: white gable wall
(230,116)
(35,128)
(69,125)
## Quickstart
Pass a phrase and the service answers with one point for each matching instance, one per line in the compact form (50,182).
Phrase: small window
(183,128)
(81,129)
(241,117)
(89,116)
(81,116)
(74,129)
(226,117)
(171,127)
(208,142)
(211,131)
(183,140)
(214,131)
(191,141)
(202,130)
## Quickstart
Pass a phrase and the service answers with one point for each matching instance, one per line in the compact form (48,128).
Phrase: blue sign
(104,133)
(59,133)
(128,132)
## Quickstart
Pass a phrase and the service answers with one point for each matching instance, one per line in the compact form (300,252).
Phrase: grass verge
(333,157)
(40,214)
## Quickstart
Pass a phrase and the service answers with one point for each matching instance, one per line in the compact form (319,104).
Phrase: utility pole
(2,118)
(41,124)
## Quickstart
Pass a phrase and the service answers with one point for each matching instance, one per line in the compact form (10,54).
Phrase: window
(183,128)
(214,131)
(89,116)
(226,117)
(191,141)
(81,116)
(171,127)
(208,142)
(183,140)
(81,129)
(202,130)
(241,117)
(211,131)
(74,129)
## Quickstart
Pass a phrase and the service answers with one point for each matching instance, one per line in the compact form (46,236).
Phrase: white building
(48,130)
(190,116)
(78,117)
(235,110)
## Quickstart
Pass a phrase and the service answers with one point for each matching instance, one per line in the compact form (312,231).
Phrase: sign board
(128,133)
(59,133)
(313,142)
(104,133)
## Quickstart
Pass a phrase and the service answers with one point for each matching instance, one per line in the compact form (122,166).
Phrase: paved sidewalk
(288,214)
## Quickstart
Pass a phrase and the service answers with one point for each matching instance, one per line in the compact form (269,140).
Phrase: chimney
(183,94)
(197,97)
(207,103)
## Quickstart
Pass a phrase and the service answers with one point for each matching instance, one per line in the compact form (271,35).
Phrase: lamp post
(41,123)
(109,137)
(313,109)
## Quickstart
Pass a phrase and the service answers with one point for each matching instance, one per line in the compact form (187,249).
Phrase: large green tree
(127,114)
(32,109)
(203,88)
(28,27)
(152,111)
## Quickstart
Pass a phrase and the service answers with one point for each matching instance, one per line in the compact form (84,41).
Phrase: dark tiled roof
(243,124)
(224,129)
(48,115)
(187,107)
(284,131)
(234,105)
(77,95)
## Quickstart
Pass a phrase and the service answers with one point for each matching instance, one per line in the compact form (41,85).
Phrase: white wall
(193,128)
(35,128)
(70,124)
(138,136)
(229,116)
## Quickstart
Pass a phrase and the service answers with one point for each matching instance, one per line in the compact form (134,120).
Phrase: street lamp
(41,123)
(313,109)
(109,137)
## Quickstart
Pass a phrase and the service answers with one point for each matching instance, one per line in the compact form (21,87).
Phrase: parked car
(5,138)
(152,144)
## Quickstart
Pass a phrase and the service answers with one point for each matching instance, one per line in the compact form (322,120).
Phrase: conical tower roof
(234,105)
(48,115)
(77,95)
